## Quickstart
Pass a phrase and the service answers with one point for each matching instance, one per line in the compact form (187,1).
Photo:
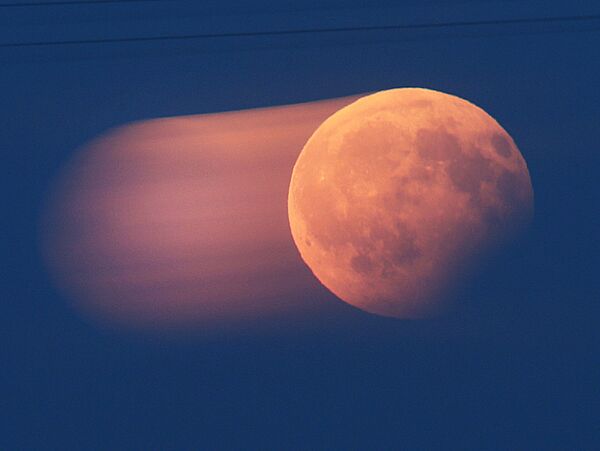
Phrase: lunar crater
(501,145)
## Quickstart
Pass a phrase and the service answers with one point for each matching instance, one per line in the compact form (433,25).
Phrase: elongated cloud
(183,221)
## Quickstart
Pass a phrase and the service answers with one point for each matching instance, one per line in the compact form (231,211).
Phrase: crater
(501,145)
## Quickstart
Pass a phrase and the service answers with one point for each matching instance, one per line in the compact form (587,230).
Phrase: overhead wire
(73,3)
(300,31)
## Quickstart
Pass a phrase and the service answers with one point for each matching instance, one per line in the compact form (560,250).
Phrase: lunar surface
(395,197)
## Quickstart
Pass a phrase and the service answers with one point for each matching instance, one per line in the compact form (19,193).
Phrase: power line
(300,31)
(72,3)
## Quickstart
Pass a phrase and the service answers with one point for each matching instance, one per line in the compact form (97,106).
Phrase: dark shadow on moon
(502,145)
(494,297)
(489,303)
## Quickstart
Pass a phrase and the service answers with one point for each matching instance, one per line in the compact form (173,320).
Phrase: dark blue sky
(523,374)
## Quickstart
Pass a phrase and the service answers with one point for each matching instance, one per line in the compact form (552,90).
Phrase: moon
(395,197)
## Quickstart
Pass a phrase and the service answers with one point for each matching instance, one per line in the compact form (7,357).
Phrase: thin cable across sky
(300,31)
(73,3)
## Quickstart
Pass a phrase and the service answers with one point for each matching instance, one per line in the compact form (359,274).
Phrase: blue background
(522,375)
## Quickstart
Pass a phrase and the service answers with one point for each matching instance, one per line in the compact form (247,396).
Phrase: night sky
(518,368)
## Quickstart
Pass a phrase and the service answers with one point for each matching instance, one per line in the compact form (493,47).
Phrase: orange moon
(395,196)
